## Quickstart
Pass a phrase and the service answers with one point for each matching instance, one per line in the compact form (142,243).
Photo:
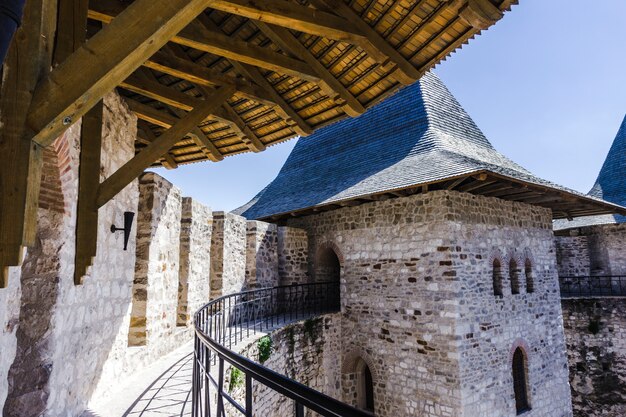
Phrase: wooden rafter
(286,41)
(104,61)
(290,115)
(199,75)
(404,71)
(129,171)
(199,37)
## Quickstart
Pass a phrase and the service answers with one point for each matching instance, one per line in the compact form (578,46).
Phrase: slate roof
(610,185)
(420,135)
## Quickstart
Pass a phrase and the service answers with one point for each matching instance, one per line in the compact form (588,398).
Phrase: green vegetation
(264,346)
(236,379)
(594,326)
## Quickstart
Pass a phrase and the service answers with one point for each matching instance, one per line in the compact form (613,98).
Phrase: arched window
(328,266)
(365,387)
(514,276)
(497,277)
(528,272)
(520,386)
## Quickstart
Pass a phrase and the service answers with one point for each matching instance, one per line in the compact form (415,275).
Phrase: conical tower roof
(610,184)
(421,135)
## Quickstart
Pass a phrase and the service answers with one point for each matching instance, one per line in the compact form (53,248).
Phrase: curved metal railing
(230,319)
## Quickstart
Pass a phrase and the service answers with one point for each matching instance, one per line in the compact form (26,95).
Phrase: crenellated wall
(261,254)
(228,254)
(195,259)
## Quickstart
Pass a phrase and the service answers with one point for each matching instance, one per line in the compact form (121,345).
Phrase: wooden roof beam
(179,100)
(198,36)
(291,116)
(104,61)
(404,71)
(296,17)
(131,169)
(246,134)
(165,120)
(200,75)
(333,87)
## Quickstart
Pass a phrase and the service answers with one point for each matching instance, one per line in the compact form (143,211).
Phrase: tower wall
(418,303)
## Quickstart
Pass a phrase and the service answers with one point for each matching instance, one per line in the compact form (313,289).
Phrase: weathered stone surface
(592,250)
(595,331)
(228,254)
(261,254)
(195,259)
(418,303)
(293,256)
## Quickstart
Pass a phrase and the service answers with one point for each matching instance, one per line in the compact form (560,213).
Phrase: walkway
(161,390)
(164,388)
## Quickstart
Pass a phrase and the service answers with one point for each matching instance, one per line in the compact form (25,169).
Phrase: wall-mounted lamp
(128,223)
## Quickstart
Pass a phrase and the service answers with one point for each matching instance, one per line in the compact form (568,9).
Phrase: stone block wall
(195,262)
(307,351)
(572,254)
(418,304)
(595,331)
(261,255)
(155,287)
(293,256)
(592,250)
(228,254)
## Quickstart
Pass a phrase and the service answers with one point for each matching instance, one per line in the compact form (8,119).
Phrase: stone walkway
(161,390)
(164,388)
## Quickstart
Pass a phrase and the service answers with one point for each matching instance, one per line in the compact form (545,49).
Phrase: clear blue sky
(546,84)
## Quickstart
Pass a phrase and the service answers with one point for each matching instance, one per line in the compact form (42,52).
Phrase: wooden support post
(123,176)
(72,28)
(88,182)
(20,173)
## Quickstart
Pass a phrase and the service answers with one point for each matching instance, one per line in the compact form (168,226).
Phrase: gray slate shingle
(610,185)
(419,135)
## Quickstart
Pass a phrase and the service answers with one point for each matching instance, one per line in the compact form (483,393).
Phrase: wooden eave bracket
(480,14)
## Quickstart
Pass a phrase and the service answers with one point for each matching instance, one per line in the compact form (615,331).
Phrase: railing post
(220,388)
(299,410)
(248,395)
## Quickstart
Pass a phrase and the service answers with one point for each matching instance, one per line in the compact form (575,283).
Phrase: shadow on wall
(29,374)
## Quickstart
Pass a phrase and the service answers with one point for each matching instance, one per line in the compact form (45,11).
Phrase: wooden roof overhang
(562,203)
(295,66)
(206,78)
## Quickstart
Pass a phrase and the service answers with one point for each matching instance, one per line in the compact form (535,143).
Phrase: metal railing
(593,286)
(224,322)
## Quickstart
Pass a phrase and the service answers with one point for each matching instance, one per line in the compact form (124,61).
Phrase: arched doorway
(365,386)
(328,266)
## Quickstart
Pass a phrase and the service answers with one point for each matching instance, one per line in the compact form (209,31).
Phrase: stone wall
(261,255)
(155,287)
(228,254)
(293,256)
(418,304)
(572,254)
(592,250)
(595,331)
(195,262)
(308,351)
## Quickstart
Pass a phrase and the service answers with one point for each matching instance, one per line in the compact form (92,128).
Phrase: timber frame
(563,204)
(207,79)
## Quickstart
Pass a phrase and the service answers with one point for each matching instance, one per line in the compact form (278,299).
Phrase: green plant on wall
(594,326)
(236,379)
(264,345)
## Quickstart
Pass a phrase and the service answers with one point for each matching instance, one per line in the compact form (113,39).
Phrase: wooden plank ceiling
(293,66)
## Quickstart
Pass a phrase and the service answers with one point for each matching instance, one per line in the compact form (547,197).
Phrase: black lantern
(128,223)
